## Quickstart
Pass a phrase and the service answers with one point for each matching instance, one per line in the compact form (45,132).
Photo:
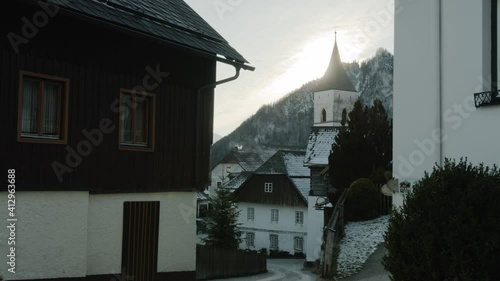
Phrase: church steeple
(335,77)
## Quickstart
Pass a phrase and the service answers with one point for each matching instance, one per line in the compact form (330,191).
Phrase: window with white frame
(268,187)
(299,217)
(250,239)
(273,241)
(298,244)
(275,215)
(250,213)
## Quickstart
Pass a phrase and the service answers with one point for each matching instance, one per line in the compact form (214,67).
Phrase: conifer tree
(363,147)
(222,221)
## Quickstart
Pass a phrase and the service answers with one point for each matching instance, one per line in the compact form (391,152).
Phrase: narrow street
(280,269)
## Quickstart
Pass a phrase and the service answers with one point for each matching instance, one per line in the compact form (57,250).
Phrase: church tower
(334,93)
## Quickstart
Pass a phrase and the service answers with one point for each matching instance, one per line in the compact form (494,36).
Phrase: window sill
(40,139)
(138,148)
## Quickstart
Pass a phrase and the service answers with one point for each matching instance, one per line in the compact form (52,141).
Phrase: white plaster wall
(263,227)
(177,231)
(416,87)
(469,132)
(323,100)
(219,173)
(315,224)
(465,68)
(51,235)
(333,101)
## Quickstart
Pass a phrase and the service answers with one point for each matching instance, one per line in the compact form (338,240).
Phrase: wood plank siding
(319,186)
(283,194)
(98,63)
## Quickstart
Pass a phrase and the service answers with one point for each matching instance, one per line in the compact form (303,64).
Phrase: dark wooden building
(106,118)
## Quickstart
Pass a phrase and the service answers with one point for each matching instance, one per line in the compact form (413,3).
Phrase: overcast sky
(290,43)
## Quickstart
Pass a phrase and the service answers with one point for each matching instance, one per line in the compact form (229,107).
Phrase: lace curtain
(29,116)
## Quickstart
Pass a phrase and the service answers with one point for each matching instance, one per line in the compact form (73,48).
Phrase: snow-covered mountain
(286,124)
(373,78)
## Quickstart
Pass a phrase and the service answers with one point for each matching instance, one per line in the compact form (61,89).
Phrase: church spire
(335,77)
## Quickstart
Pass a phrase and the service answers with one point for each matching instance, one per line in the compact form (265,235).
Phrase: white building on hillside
(445,79)
(233,163)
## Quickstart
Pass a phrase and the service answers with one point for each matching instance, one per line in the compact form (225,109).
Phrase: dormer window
(268,187)
(323,115)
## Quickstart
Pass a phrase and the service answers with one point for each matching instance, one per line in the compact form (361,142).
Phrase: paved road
(291,270)
(280,269)
(372,270)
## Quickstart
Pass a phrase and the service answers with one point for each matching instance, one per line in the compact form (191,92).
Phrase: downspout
(440,79)
(198,106)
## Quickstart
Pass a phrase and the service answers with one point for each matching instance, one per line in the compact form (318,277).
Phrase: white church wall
(434,113)
(333,102)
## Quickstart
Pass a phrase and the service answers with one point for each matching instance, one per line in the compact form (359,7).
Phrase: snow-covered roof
(201,196)
(285,162)
(294,163)
(249,161)
(320,146)
(303,185)
(237,181)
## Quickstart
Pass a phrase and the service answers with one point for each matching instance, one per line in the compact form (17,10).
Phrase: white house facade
(273,227)
(445,80)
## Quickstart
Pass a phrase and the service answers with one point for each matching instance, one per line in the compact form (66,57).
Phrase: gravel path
(372,269)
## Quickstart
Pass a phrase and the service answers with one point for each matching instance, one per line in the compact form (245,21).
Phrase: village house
(272,204)
(446,99)
(107,120)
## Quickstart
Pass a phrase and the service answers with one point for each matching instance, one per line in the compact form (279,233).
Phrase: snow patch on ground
(360,241)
